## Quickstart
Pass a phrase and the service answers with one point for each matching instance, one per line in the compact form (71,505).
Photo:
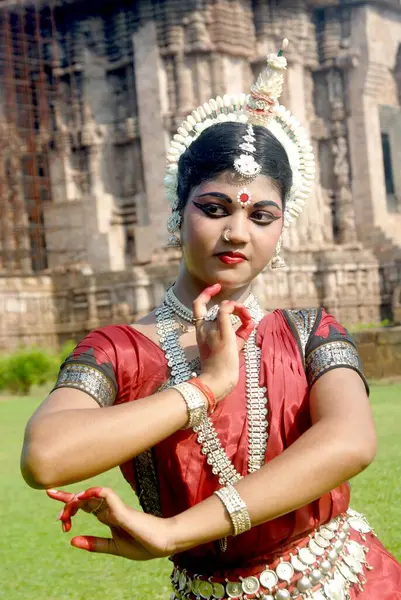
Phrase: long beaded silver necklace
(181,370)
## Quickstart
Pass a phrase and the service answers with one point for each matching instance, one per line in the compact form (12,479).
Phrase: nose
(239,228)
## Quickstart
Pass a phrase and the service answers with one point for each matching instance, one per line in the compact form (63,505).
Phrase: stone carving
(396,305)
(345,216)
(203,48)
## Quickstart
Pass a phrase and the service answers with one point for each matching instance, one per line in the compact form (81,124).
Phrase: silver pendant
(332,525)
(234,589)
(250,585)
(304,584)
(319,539)
(282,595)
(182,582)
(353,563)
(268,579)
(338,545)
(359,525)
(315,576)
(195,586)
(218,591)
(306,556)
(298,564)
(334,590)
(332,556)
(327,533)
(355,550)
(325,566)
(205,590)
(315,548)
(285,571)
(347,573)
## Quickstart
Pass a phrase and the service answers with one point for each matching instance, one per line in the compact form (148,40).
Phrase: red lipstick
(231,258)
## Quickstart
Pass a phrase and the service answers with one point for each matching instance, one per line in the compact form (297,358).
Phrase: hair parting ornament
(260,107)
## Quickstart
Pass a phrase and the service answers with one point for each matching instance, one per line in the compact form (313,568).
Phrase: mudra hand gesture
(134,534)
(219,343)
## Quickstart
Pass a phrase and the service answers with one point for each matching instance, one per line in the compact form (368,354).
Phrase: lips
(231,258)
(233,255)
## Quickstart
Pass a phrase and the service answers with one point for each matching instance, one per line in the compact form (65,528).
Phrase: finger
(200,303)
(71,508)
(93,492)
(113,502)
(95,544)
(226,309)
(60,495)
(244,330)
(242,312)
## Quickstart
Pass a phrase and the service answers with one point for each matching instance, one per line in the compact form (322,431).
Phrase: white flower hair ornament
(260,107)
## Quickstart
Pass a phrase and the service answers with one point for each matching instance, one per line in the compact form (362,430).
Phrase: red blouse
(297,347)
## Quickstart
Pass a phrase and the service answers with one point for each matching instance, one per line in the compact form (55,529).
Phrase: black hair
(215,150)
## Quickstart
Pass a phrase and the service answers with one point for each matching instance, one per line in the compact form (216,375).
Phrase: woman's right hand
(219,344)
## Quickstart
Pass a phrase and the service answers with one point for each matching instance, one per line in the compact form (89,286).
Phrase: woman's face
(254,230)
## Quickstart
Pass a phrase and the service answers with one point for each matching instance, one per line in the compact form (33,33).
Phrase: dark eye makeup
(218,211)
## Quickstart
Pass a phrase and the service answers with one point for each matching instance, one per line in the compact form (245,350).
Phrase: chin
(229,279)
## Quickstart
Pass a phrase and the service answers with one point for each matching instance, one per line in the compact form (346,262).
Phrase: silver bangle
(196,402)
(236,508)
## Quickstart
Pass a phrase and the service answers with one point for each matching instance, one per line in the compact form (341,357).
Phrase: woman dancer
(237,429)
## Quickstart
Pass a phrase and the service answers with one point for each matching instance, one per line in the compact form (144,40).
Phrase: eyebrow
(221,196)
(266,203)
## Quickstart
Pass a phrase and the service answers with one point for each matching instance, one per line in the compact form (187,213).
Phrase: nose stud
(226,235)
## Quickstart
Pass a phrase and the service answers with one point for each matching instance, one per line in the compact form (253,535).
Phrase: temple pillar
(150,232)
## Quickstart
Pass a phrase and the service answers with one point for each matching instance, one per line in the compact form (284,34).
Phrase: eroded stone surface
(126,79)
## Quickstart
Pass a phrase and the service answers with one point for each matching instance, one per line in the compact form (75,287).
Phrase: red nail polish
(84,543)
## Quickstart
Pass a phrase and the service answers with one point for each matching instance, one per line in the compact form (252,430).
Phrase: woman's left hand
(134,534)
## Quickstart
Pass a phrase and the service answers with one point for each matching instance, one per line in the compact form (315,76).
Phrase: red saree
(175,475)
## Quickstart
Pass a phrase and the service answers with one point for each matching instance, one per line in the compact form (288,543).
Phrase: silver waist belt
(325,566)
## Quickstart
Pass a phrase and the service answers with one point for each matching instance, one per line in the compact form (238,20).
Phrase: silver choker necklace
(186,313)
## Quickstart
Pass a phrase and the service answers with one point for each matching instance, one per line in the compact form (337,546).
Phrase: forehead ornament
(244,197)
(245,164)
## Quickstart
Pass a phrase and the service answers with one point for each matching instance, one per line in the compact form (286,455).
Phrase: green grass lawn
(37,561)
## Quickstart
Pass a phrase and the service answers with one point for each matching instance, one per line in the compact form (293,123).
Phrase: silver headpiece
(260,107)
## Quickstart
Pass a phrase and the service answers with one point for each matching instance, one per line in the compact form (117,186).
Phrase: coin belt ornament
(309,572)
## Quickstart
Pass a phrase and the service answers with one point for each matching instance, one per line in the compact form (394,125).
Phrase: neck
(187,288)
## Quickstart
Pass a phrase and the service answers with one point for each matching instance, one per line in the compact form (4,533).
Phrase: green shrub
(364,326)
(3,371)
(27,367)
(66,349)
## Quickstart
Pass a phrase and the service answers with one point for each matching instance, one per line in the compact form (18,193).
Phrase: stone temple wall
(121,79)
(50,310)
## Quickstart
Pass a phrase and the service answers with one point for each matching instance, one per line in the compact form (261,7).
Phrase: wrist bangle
(205,389)
(236,508)
(195,401)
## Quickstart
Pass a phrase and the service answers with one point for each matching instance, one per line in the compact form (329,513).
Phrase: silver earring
(278,261)
(173,226)
(226,234)
(173,241)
